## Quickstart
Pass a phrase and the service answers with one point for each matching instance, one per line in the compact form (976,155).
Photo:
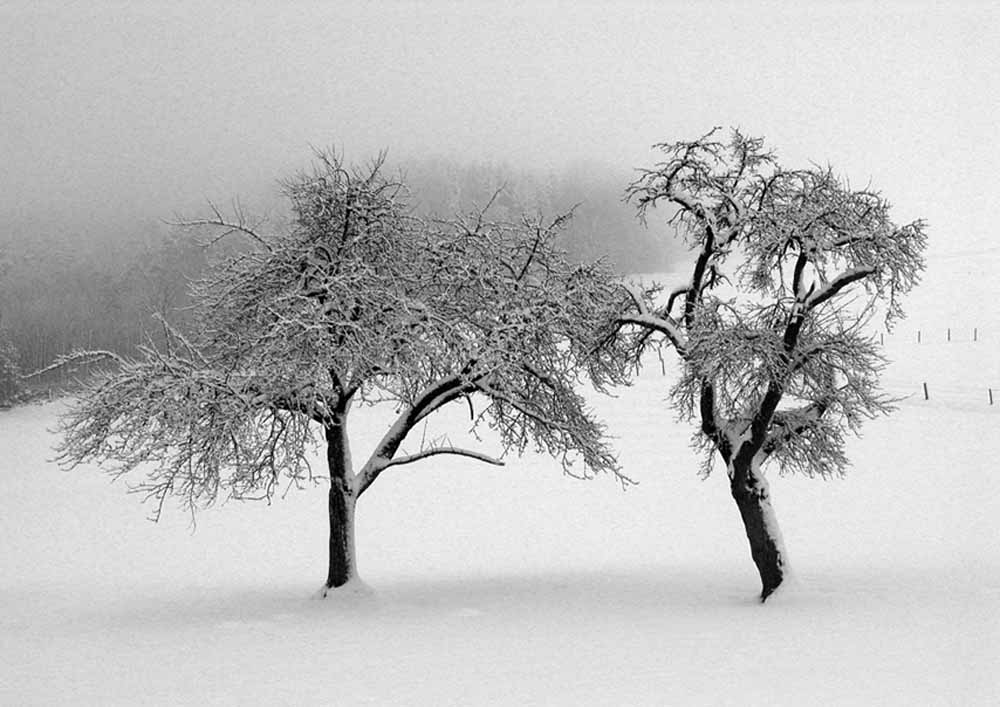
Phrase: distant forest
(62,290)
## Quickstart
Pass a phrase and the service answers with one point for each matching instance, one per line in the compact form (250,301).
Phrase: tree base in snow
(780,593)
(354,588)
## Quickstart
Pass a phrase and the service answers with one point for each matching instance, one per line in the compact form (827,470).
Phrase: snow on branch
(636,296)
(832,288)
(410,458)
(647,320)
(358,302)
(226,227)
(76,358)
(763,317)
(197,432)
(665,326)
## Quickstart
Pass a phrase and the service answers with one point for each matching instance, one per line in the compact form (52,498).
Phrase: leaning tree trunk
(343,567)
(750,491)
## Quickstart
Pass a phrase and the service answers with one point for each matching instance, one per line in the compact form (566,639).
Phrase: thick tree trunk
(343,566)
(343,561)
(750,491)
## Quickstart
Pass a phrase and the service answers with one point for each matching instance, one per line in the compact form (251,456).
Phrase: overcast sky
(147,108)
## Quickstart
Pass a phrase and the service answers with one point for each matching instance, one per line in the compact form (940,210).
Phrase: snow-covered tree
(789,268)
(357,302)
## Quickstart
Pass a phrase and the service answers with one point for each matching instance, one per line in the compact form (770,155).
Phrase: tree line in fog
(61,290)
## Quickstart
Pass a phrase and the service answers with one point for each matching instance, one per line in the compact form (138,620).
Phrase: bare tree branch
(410,458)
(832,288)
(240,225)
(75,358)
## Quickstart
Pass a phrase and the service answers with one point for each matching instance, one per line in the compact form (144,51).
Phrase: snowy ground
(519,586)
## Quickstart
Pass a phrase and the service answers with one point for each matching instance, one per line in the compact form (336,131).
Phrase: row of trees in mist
(59,292)
(358,301)
(602,227)
(62,290)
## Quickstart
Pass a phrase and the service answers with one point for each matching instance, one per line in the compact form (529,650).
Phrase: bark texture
(343,561)
(343,497)
(749,490)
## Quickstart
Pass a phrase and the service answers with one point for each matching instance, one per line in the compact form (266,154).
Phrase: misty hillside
(603,225)
(64,287)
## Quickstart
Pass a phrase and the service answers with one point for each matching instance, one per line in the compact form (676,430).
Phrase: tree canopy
(358,302)
(790,266)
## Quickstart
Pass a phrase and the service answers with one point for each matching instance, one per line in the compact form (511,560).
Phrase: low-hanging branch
(410,458)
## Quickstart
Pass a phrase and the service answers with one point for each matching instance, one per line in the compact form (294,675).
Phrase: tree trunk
(343,566)
(343,560)
(750,491)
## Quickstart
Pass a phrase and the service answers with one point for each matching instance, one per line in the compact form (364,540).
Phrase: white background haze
(112,110)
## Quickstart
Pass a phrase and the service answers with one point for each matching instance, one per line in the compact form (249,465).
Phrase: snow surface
(518,586)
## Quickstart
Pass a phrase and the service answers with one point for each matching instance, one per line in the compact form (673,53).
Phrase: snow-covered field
(520,586)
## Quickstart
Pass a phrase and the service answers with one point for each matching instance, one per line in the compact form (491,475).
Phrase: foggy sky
(127,109)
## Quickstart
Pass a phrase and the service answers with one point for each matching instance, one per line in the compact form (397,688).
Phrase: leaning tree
(357,302)
(789,268)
